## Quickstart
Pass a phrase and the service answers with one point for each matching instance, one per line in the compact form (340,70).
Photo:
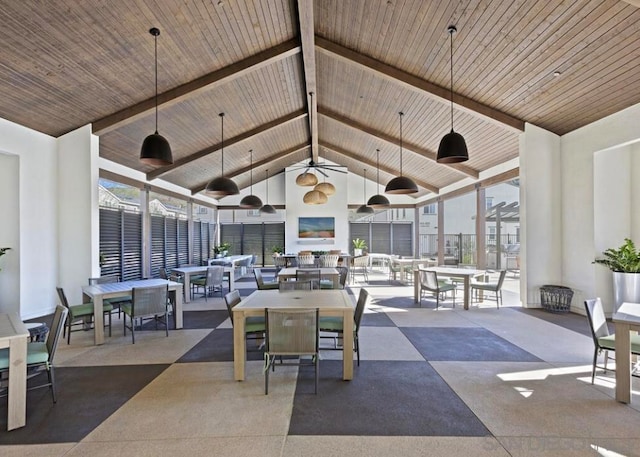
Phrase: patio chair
(261,283)
(254,326)
(288,286)
(308,260)
(280,262)
(81,315)
(603,340)
(328,261)
(330,324)
(310,275)
(116,301)
(429,283)
(493,286)
(212,282)
(40,355)
(149,303)
(360,266)
(291,332)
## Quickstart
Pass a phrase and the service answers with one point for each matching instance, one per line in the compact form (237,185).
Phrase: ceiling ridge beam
(350,155)
(279,155)
(153,174)
(423,152)
(307,40)
(206,82)
(436,92)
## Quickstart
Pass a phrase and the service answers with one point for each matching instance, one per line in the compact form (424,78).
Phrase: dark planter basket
(556,299)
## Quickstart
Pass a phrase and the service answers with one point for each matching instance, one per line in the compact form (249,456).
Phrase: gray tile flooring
(447,382)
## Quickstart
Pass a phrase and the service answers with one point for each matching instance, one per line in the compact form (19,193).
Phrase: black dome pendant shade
(364,209)
(221,186)
(453,148)
(251,201)
(401,184)
(378,201)
(155,148)
(267,208)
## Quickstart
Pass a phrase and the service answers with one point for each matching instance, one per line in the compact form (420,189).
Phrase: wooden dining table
(14,336)
(625,319)
(98,292)
(330,302)
(463,273)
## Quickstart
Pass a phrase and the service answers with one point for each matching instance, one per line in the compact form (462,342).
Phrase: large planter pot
(626,288)
(357,252)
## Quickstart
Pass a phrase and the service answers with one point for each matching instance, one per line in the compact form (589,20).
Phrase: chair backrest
(257,272)
(149,301)
(429,279)
(62,297)
(360,305)
(55,333)
(344,274)
(503,273)
(232,299)
(311,275)
(163,273)
(215,275)
(306,260)
(279,261)
(304,253)
(291,331)
(597,319)
(287,286)
(361,261)
(108,279)
(328,260)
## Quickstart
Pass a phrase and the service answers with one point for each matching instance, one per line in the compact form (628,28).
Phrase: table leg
(347,345)
(17,401)
(98,320)
(186,288)
(239,346)
(467,291)
(623,362)
(177,312)
(416,286)
(232,281)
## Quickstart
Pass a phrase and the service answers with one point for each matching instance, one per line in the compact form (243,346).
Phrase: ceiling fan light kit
(453,148)
(155,148)
(221,186)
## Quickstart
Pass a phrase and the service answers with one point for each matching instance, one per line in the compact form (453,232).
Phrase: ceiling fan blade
(322,172)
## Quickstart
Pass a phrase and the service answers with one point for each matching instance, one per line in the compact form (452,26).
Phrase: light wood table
(98,292)
(187,272)
(331,273)
(464,273)
(330,302)
(14,336)
(626,319)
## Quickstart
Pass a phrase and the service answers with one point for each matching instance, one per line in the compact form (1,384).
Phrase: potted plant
(624,262)
(221,250)
(358,246)
(3,251)
(277,250)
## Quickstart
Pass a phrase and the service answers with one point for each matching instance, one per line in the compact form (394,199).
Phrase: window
(430,209)
(492,233)
(488,202)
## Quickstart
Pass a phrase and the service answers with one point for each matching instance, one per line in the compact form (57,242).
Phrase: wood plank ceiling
(558,65)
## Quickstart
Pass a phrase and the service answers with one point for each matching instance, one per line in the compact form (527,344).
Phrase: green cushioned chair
(254,326)
(81,315)
(262,284)
(429,282)
(494,286)
(335,325)
(149,303)
(213,281)
(40,355)
(116,301)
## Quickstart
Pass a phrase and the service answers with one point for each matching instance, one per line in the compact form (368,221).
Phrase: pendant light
(401,184)
(378,200)
(453,148)
(267,208)
(306,179)
(315,197)
(325,187)
(221,186)
(251,201)
(155,148)
(364,209)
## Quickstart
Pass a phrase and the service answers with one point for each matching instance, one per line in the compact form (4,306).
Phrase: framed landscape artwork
(316,227)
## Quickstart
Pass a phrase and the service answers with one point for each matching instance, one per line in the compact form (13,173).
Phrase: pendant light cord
(251,170)
(364,187)
(401,114)
(378,168)
(267,186)
(222,144)
(155,39)
(452,30)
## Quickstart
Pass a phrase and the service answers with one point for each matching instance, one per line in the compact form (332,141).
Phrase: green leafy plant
(222,247)
(277,249)
(359,243)
(625,259)
(3,251)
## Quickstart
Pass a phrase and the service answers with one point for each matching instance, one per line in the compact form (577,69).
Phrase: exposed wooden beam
(153,174)
(280,155)
(439,93)
(426,153)
(488,182)
(373,165)
(307,39)
(206,82)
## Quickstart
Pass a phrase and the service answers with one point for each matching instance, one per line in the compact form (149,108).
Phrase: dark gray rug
(217,346)
(86,397)
(570,321)
(456,344)
(383,399)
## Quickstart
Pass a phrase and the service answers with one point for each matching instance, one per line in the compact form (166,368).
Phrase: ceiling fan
(319,167)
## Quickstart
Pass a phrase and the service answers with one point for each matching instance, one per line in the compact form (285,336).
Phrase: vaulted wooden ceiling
(558,65)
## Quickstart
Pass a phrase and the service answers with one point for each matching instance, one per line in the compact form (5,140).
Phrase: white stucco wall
(579,229)
(31,267)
